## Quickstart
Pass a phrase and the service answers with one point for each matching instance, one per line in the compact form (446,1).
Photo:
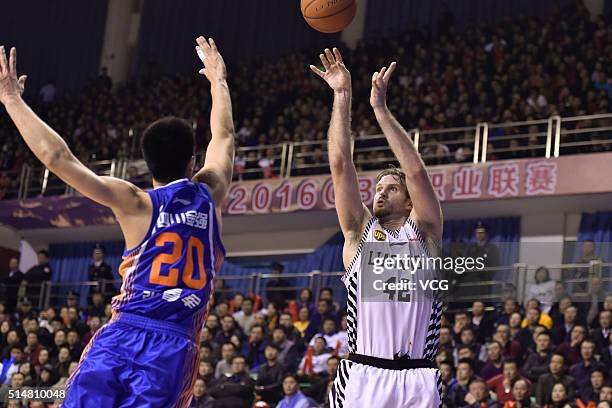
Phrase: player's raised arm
(219,161)
(122,196)
(426,211)
(352,214)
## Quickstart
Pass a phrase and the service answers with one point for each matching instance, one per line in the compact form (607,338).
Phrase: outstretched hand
(214,66)
(10,86)
(336,75)
(380,81)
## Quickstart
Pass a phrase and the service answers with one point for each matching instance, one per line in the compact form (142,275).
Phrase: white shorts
(358,386)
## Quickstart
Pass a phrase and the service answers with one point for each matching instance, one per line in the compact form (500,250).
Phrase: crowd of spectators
(516,70)
(283,348)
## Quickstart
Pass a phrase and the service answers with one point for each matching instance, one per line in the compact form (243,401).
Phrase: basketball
(329,16)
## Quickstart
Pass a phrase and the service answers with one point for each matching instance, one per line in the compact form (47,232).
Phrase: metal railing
(544,138)
(39,181)
(489,284)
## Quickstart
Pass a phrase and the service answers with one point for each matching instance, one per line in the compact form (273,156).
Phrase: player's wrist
(13,99)
(342,94)
(380,109)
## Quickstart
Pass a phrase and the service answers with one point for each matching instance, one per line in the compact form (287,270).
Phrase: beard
(381,212)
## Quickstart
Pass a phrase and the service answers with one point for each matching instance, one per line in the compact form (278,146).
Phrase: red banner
(484,181)
(581,174)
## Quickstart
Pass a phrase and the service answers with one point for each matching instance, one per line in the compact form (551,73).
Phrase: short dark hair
(510,361)
(257,326)
(334,358)
(167,146)
(464,347)
(545,333)
(327,302)
(467,361)
(322,338)
(326,289)
(239,356)
(478,381)
(229,343)
(43,252)
(274,346)
(397,173)
(289,376)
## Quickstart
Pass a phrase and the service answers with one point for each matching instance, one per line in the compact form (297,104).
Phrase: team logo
(380,235)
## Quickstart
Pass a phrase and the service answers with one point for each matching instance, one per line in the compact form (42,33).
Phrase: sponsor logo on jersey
(172,295)
(191,218)
(380,235)
(192,301)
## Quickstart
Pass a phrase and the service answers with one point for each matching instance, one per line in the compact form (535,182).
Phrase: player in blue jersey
(147,355)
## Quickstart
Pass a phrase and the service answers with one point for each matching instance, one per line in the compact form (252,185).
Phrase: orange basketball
(328,16)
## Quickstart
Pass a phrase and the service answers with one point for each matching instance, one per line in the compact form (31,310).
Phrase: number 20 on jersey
(187,274)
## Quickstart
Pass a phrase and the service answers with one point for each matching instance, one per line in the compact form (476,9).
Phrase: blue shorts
(134,361)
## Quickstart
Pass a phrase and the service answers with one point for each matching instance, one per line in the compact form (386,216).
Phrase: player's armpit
(216,180)
(426,210)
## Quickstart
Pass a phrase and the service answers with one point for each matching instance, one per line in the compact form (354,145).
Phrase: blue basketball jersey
(169,276)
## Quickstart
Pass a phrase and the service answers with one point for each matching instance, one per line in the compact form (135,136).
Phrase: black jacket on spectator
(582,374)
(536,365)
(271,377)
(279,296)
(600,338)
(38,273)
(560,335)
(484,329)
(289,356)
(457,397)
(545,386)
(96,310)
(103,271)
(525,337)
(205,401)
(221,337)
(319,389)
(233,392)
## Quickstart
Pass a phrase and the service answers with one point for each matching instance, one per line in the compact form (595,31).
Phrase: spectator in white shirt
(245,317)
(333,338)
(319,358)
(543,289)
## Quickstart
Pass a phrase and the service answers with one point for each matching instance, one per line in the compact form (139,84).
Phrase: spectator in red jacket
(502,384)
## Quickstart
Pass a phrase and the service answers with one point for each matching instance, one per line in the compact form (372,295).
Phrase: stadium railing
(547,138)
(489,284)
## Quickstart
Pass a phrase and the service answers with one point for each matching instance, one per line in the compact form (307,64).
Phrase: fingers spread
(338,55)
(203,44)
(389,71)
(200,53)
(330,56)
(374,78)
(317,71)
(213,46)
(382,73)
(3,63)
(323,59)
(13,61)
